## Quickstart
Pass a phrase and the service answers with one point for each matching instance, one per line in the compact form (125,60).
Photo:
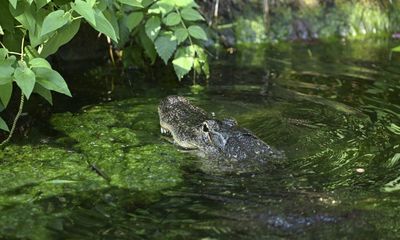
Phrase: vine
(21,103)
(10,134)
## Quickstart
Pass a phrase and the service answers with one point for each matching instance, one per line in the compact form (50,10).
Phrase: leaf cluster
(32,30)
(167,28)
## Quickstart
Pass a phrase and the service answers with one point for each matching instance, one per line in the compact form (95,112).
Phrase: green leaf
(396,49)
(45,93)
(85,10)
(133,3)
(197,32)
(39,63)
(6,70)
(9,60)
(152,27)
(25,14)
(191,14)
(112,18)
(165,6)
(183,62)
(104,26)
(200,52)
(181,34)
(91,2)
(147,3)
(54,21)
(132,20)
(5,93)
(6,19)
(172,19)
(184,3)
(41,3)
(25,79)
(13,3)
(1,31)
(61,37)
(197,66)
(124,34)
(166,46)
(3,125)
(147,45)
(154,9)
(51,80)
(3,53)
(35,38)
(202,60)
(102,5)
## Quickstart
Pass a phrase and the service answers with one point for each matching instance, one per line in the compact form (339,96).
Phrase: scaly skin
(193,128)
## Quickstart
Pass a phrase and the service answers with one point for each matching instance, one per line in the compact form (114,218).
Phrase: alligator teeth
(165,131)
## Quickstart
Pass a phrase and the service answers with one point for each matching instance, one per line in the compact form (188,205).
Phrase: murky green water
(104,172)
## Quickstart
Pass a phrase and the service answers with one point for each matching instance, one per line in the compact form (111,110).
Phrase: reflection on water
(333,108)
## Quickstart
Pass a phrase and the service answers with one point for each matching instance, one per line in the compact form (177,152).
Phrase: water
(104,172)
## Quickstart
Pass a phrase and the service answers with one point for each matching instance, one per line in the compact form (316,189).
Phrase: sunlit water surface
(334,109)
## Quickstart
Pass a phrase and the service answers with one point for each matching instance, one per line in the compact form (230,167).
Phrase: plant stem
(76,18)
(21,103)
(21,106)
(15,53)
(184,26)
(22,48)
(9,52)
(2,45)
(190,40)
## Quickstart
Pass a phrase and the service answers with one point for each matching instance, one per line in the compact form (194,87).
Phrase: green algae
(111,139)
(101,152)
(119,140)
(29,173)
(115,137)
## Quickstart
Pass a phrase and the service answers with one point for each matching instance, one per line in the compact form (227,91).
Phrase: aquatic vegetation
(121,152)
(98,141)
(104,153)
(29,173)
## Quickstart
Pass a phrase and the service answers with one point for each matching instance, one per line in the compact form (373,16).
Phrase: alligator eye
(205,128)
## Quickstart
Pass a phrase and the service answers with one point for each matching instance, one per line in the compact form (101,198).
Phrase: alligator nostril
(205,128)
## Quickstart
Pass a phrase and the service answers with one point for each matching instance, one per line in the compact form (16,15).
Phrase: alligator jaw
(167,134)
(165,129)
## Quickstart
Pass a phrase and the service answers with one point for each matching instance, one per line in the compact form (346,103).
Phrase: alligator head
(193,128)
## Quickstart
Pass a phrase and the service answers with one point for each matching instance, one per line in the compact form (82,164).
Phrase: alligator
(193,128)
